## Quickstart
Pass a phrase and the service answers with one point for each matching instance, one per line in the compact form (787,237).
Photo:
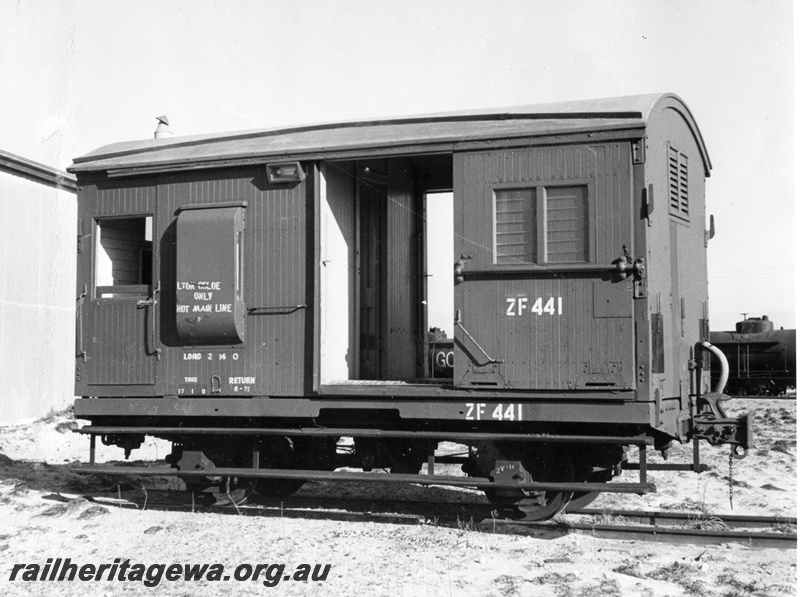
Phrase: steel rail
(757,397)
(671,535)
(483,508)
(404,512)
(452,481)
(667,517)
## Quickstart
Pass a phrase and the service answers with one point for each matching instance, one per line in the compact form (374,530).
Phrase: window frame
(122,291)
(540,196)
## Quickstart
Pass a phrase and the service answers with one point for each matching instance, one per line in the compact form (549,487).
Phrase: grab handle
(81,297)
(152,302)
(474,341)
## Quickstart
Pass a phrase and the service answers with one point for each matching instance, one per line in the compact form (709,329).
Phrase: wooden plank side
(547,330)
(118,335)
(402,276)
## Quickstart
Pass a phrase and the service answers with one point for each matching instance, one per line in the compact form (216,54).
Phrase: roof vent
(162,130)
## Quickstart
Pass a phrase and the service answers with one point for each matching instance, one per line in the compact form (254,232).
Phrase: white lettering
(191,356)
(241,380)
(182,309)
(189,380)
(510,310)
(203,296)
(201,309)
(222,308)
(540,305)
(509,414)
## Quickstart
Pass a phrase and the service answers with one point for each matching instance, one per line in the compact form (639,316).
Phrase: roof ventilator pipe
(162,130)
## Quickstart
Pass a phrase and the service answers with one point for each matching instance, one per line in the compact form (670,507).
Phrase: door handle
(152,302)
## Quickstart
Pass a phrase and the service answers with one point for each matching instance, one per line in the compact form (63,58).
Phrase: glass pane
(515,226)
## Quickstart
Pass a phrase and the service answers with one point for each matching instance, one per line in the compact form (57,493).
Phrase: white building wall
(37,297)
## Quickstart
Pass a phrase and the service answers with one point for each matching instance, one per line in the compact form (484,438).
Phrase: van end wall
(37,296)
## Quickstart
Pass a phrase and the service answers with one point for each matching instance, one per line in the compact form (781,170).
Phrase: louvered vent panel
(678,183)
(515,213)
(566,224)
(683,181)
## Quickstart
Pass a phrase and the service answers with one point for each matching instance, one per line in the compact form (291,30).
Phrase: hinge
(638,151)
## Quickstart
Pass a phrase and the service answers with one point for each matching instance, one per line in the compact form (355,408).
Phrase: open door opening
(385,268)
(439,285)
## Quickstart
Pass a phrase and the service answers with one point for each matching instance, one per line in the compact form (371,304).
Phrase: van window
(123,256)
(543,224)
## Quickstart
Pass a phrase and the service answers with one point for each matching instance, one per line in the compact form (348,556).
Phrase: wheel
(225,491)
(528,506)
(278,488)
(280,453)
(294,453)
(213,490)
(582,499)
(506,464)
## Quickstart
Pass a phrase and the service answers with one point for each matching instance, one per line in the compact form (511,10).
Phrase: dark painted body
(300,301)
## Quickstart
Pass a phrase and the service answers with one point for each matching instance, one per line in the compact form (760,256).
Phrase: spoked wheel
(509,466)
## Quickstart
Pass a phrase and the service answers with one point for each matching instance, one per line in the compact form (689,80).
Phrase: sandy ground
(41,518)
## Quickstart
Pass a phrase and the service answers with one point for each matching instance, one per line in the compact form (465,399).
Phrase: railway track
(757,397)
(653,526)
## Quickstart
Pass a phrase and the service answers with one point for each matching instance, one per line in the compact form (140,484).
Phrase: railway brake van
(271,302)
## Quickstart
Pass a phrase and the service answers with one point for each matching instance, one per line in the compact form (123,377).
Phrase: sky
(76,75)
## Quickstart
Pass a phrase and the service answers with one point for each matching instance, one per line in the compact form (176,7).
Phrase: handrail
(474,341)
(81,297)
(278,310)
(566,268)
(152,302)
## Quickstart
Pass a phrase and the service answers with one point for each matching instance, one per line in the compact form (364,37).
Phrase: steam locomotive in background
(762,360)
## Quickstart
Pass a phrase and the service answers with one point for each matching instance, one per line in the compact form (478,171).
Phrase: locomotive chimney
(162,130)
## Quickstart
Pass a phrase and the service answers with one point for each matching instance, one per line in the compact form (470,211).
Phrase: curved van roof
(413,134)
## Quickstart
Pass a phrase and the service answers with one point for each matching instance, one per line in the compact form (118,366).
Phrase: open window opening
(123,257)
(386,269)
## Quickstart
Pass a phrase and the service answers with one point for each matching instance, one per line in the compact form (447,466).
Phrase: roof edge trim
(203,139)
(671,101)
(52,177)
